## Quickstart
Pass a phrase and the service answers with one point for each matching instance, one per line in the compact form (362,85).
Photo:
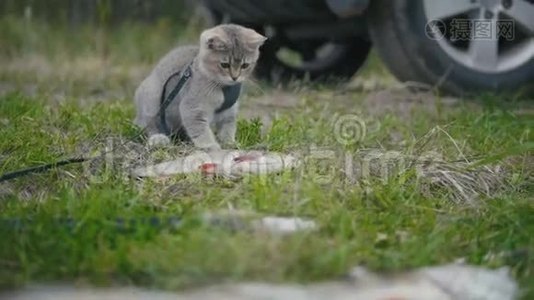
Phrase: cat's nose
(234,78)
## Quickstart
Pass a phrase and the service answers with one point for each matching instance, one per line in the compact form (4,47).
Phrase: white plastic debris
(464,282)
(284,225)
(449,282)
(245,220)
(224,162)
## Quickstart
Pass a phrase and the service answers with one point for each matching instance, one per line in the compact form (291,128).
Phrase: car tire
(398,30)
(347,58)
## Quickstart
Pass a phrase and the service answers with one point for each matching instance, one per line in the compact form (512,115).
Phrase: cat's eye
(245,65)
(225,65)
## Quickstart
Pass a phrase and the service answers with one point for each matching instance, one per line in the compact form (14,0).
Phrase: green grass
(420,228)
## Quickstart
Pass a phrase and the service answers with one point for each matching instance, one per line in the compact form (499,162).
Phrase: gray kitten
(226,55)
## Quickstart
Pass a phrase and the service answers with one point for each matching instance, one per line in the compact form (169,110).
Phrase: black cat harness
(230,92)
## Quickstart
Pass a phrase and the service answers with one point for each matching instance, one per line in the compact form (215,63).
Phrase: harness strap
(231,94)
(165,102)
(41,168)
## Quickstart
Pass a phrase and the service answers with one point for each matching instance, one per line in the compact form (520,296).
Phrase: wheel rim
(314,59)
(489,36)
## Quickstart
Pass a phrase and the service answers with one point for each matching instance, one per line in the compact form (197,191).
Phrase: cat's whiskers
(212,86)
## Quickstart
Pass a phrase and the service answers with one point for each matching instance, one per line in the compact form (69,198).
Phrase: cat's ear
(213,40)
(254,39)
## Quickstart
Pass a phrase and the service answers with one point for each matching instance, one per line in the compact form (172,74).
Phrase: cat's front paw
(158,140)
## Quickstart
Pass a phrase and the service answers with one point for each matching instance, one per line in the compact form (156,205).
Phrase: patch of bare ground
(404,102)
